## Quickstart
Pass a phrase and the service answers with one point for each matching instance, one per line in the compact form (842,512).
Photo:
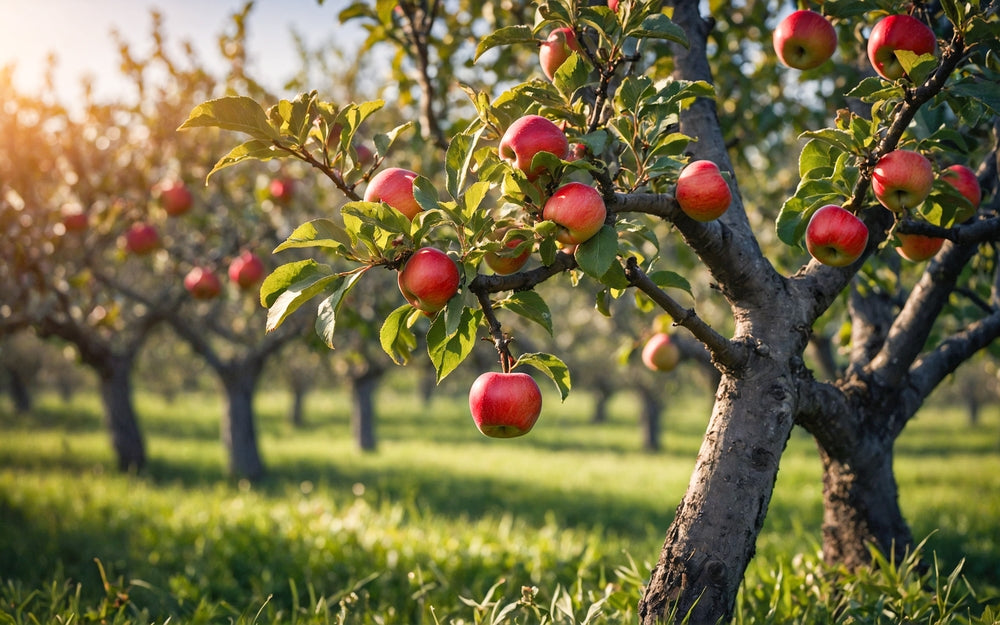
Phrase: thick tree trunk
(363,389)
(119,413)
(239,434)
(861,508)
(713,535)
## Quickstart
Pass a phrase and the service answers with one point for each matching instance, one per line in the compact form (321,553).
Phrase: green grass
(437,514)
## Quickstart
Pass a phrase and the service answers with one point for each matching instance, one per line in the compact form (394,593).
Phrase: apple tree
(639,114)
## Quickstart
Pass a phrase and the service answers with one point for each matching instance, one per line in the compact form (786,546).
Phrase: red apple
(282,190)
(505,405)
(141,238)
(804,40)
(246,270)
(201,283)
(428,279)
(965,181)
(660,354)
(613,5)
(579,210)
(558,47)
(175,197)
(365,155)
(528,136)
(902,179)
(835,236)
(702,192)
(506,262)
(394,186)
(74,219)
(897,32)
(918,247)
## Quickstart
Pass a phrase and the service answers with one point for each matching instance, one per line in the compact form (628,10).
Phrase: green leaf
(841,139)
(326,315)
(814,159)
(447,351)
(320,232)
(555,369)
(504,36)
(424,193)
(596,255)
(659,26)
(670,280)
(789,224)
(573,74)
(254,149)
(395,336)
(531,306)
(286,275)
(457,161)
(917,67)
(384,140)
(238,113)
(310,280)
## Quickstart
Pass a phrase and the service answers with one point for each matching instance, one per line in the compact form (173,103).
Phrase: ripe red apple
(175,197)
(528,136)
(902,179)
(965,181)
(141,238)
(835,236)
(504,263)
(613,5)
(505,405)
(897,32)
(558,47)
(918,247)
(804,40)
(428,279)
(579,209)
(702,192)
(74,219)
(660,354)
(282,190)
(394,186)
(246,270)
(202,283)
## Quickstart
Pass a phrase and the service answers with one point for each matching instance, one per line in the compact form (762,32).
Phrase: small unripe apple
(202,283)
(835,236)
(902,179)
(505,263)
(918,247)
(141,238)
(579,209)
(558,47)
(528,136)
(246,270)
(428,279)
(282,190)
(702,192)
(394,186)
(804,40)
(174,197)
(898,32)
(965,181)
(505,405)
(660,354)
(74,219)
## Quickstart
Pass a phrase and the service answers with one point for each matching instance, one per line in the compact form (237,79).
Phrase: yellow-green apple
(898,32)
(506,261)
(702,191)
(141,238)
(965,181)
(394,186)
(74,219)
(835,236)
(556,48)
(578,209)
(660,354)
(202,283)
(902,179)
(282,190)
(174,197)
(804,39)
(505,405)
(918,247)
(528,136)
(428,279)
(246,270)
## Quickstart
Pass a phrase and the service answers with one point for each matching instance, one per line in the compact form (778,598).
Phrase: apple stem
(499,339)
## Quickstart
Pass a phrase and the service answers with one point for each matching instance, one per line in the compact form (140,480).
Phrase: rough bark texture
(119,414)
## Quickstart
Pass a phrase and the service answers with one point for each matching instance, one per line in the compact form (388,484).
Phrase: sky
(78,32)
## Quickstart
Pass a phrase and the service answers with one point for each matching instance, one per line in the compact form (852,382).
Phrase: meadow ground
(439,524)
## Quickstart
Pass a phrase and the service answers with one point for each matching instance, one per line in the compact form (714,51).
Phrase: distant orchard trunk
(119,413)
(239,434)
